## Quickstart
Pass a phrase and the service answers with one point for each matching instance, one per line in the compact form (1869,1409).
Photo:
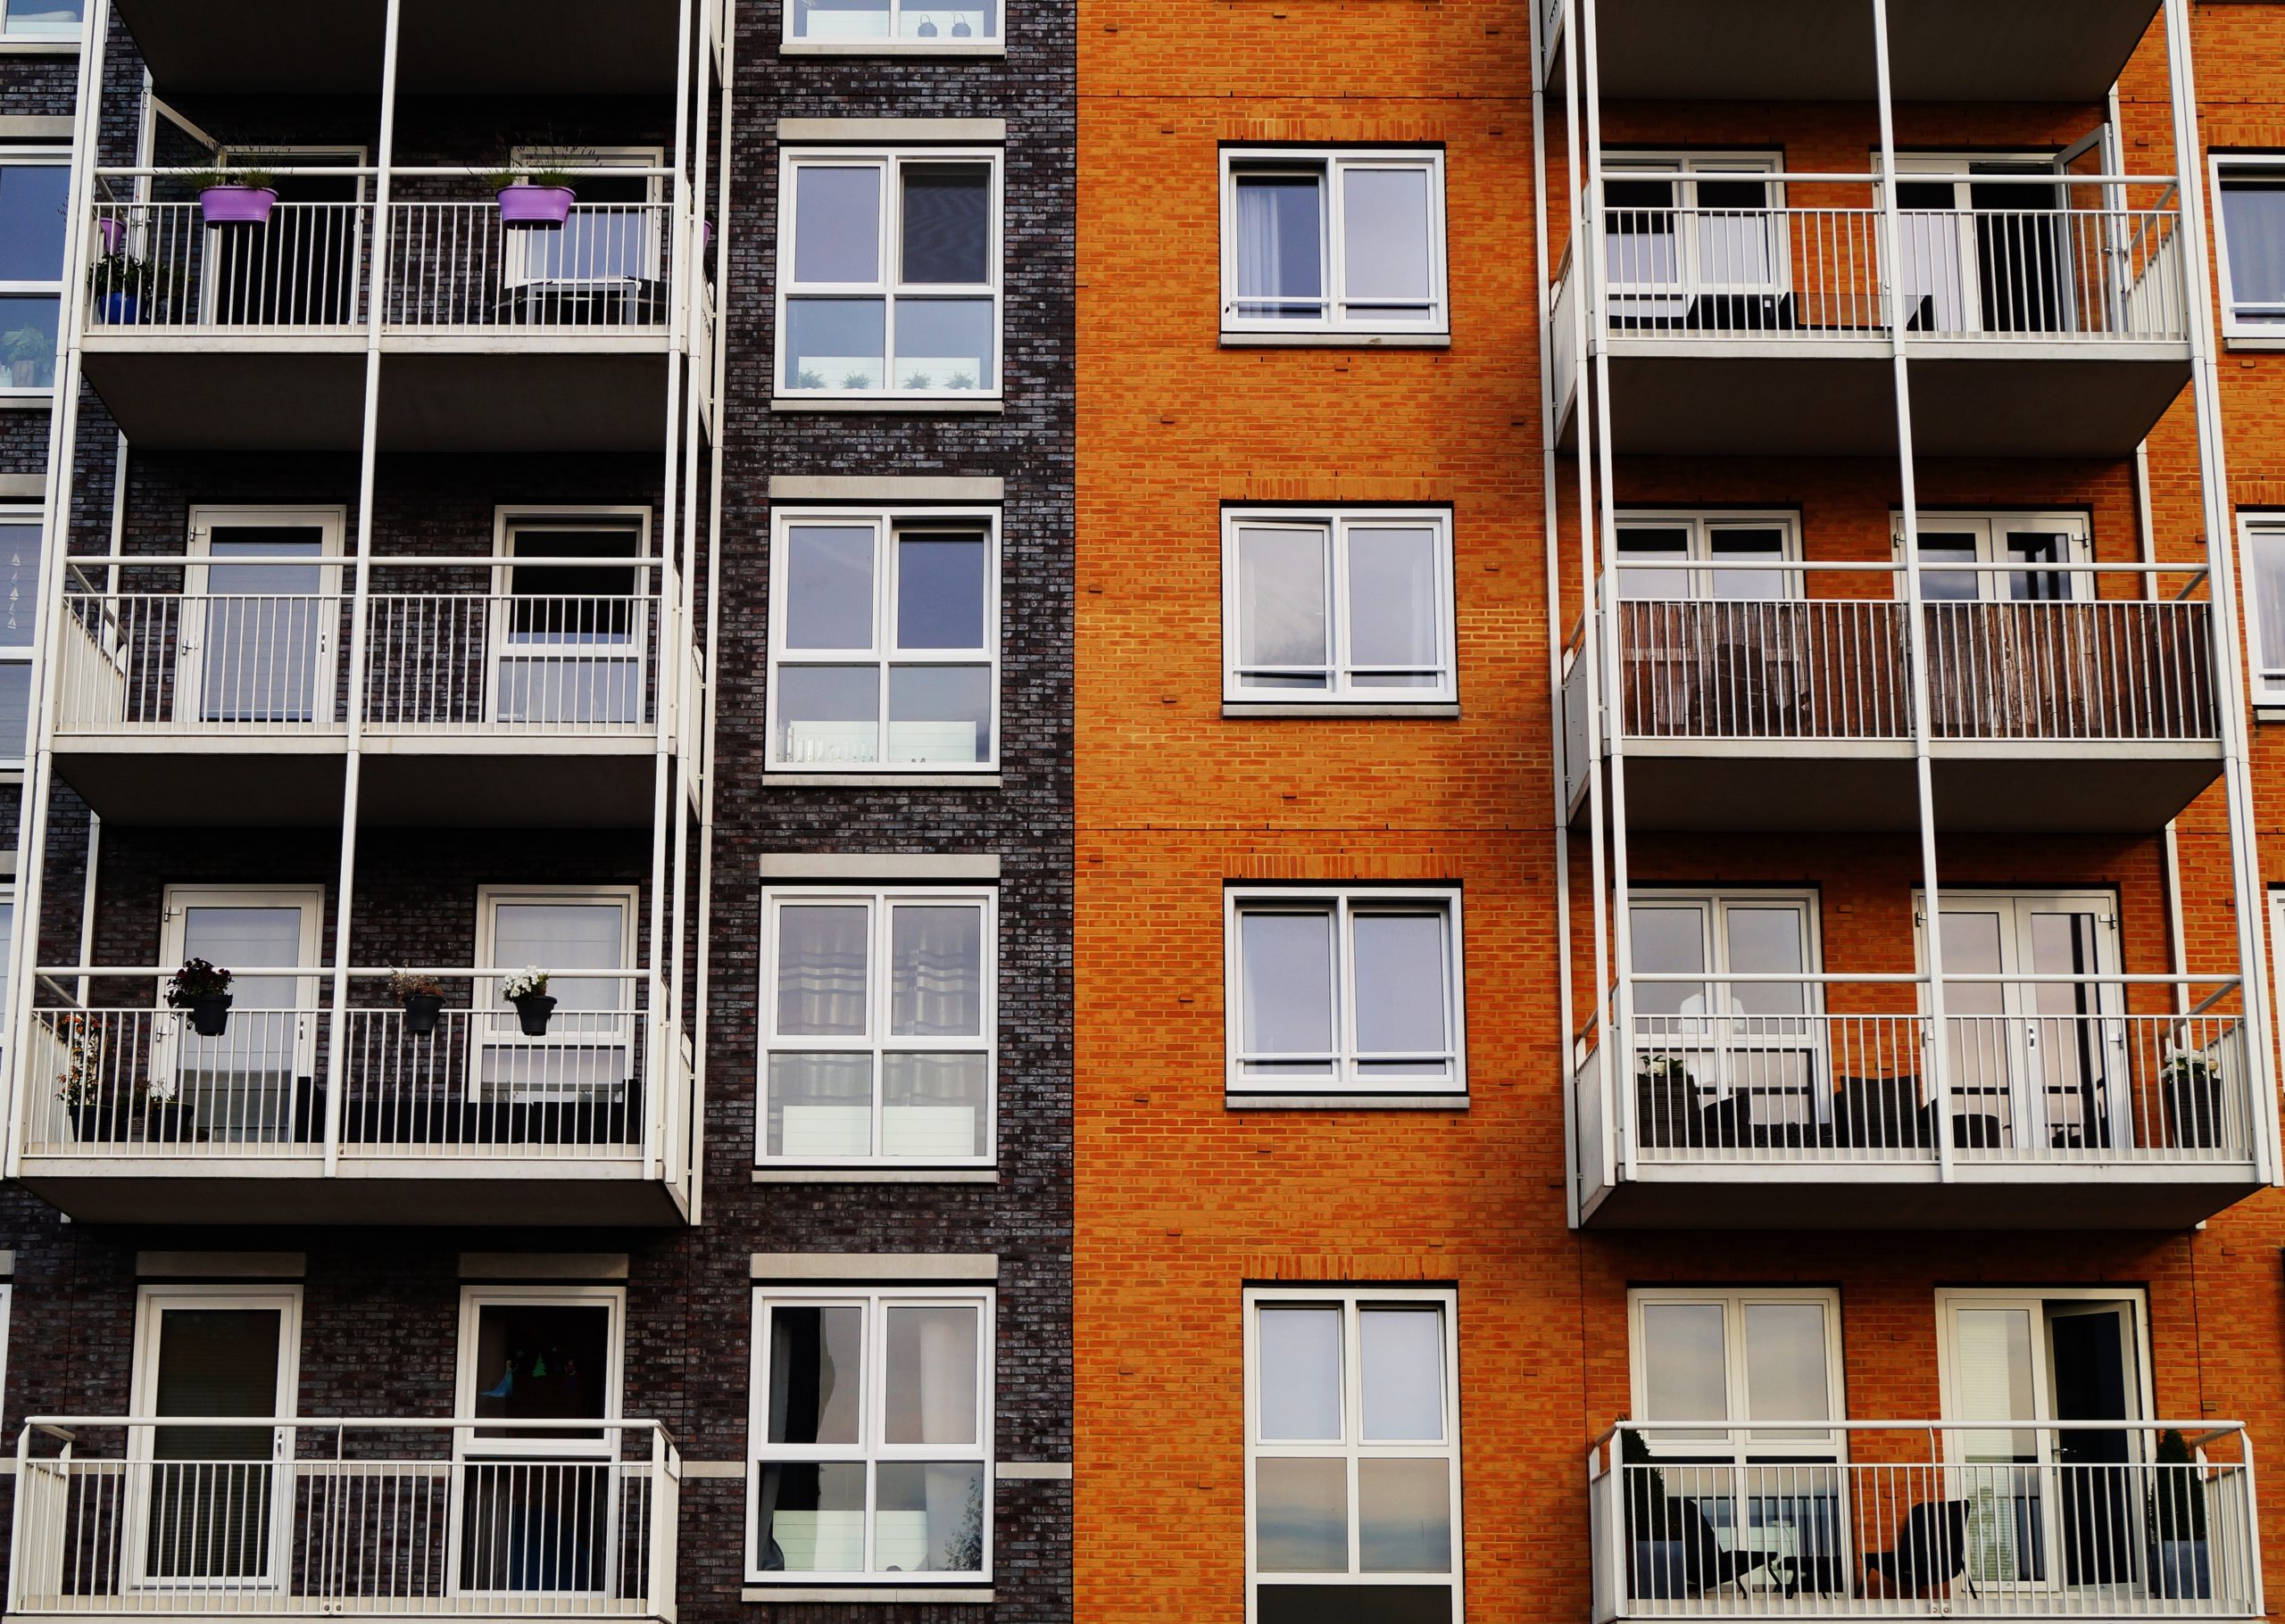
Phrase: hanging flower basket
(236,205)
(204,991)
(545,207)
(526,989)
(422,999)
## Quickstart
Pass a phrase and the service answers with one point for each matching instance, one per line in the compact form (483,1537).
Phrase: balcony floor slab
(369,1190)
(1761,1195)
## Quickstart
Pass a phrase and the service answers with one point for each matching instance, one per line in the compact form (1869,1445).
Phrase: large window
(1353,1456)
(2250,220)
(1689,555)
(20,555)
(1350,241)
(2263,552)
(871,1432)
(1337,607)
(878,1009)
(883,642)
(1355,990)
(34,184)
(1730,1358)
(851,25)
(888,274)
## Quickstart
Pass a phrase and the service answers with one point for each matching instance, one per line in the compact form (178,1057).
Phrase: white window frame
(879,902)
(330,522)
(41,157)
(892,42)
(1352,1449)
(869,1450)
(1991,526)
(1684,168)
(17,514)
(888,287)
(1333,526)
(1701,526)
(2256,332)
(1343,901)
(885,655)
(1329,162)
(1738,1422)
(2262,533)
(493,1023)
(508,523)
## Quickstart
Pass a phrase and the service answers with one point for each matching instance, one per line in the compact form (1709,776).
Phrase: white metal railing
(160,265)
(1744,272)
(1819,1519)
(235,661)
(470,661)
(297,1516)
(1825,1070)
(455,265)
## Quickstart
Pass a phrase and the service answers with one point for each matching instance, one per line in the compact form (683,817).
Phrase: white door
(259,637)
(209,1505)
(1750,1042)
(569,637)
(586,1059)
(1983,254)
(242,1087)
(1672,240)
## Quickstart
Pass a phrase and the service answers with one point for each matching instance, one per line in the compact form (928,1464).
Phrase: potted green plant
(1654,1523)
(79,1086)
(421,997)
(526,989)
(2180,1567)
(121,285)
(204,990)
(234,197)
(30,352)
(166,1120)
(2193,1091)
(538,190)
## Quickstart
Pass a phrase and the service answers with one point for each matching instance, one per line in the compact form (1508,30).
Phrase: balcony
(302,1517)
(499,338)
(2056,329)
(310,1115)
(1913,1519)
(1828,1113)
(1815,51)
(2065,713)
(477,705)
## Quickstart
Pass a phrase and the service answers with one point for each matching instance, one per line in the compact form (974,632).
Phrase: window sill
(910,405)
(1344,1102)
(880,781)
(1327,339)
(860,1593)
(876,1175)
(32,47)
(2269,713)
(2248,341)
(33,400)
(1240,710)
(892,47)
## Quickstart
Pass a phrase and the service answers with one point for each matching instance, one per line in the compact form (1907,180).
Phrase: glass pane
(263,626)
(940,590)
(829,586)
(2253,219)
(1639,545)
(1765,941)
(2266,551)
(207,1518)
(1300,1516)
(1736,246)
(1684,1365)
(1392,604)
(1945,584)
(1992,1356)
(28,340)
(239,1086)
(1668,942)
(1352,1604)
(15,709)
(930,1397)
(45,16)
(939,712)
(934,1107)
(1642,243)
(840,19)
(836,223)
(836,343)
(936,971)
(537,1361)
(31,221)
(565,936)
(948,223)
(816,1373)
(1300,1379)
(1283,615)
(1281,247)
(822,969)
(1785,1363)
(1285,997)
(944,344)
(812,1517)
(1400,985)
(829,715)
(1384,239)
(1404,1516)
(960,19)
(931,1518)
(820,1106)
(1760,545)
(2029,547)
(1402,1379)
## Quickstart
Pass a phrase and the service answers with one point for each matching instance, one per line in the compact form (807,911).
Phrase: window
(878,1016)
(855,24)
(586,1058)
(1997,557)
(2250,222)
(1344,242)
(1334,607)
(888,274)
(871,1429)
(35,185)
(2263,552)
(538,1354)
(884,646)
(571,648)
(1345,991)
(1353,1456)
(21,535)
(612,237)
(1729,1358)
(1690,247)
(41,19)
(1683,555)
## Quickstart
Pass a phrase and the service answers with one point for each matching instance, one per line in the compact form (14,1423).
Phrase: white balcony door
(1670,241)
(569,641)
(2006,558)
(242,1087)
(611,239)
(209,1504)
(1755,1042)
(2040,1066)
(258,636)
(587,1057)
(1989,258)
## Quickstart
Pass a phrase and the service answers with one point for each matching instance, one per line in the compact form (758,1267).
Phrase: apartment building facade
(469,555)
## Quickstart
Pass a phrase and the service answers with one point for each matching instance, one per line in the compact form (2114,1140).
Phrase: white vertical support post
(336,1071)
(55,524)
(1940,1097)
(2221,558)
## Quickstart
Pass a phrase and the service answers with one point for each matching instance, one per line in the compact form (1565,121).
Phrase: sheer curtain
(2254,220)
(1279,244)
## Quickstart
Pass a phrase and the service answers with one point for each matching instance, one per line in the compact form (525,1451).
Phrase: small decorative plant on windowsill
(526,989)
(234,197)
(420,997)
(538,191)
(204,990)
(79,1086)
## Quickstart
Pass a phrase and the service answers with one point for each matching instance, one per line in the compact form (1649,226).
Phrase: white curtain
(2254,219)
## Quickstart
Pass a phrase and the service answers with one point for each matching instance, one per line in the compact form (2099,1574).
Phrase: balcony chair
(1928,1555)
(1879,1113)
(1707,1564)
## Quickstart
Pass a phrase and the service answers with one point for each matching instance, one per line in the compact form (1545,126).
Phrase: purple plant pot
(522,205)
(236,205)
(112,231)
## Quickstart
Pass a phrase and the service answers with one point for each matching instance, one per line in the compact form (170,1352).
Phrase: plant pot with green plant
(29,352)
(80,1086)
(1658,1550)
(234,197)
(526,989)
(420,997)
(2193,1091)
(536,190)
(122,287)
(2180,1568)
(204,991)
